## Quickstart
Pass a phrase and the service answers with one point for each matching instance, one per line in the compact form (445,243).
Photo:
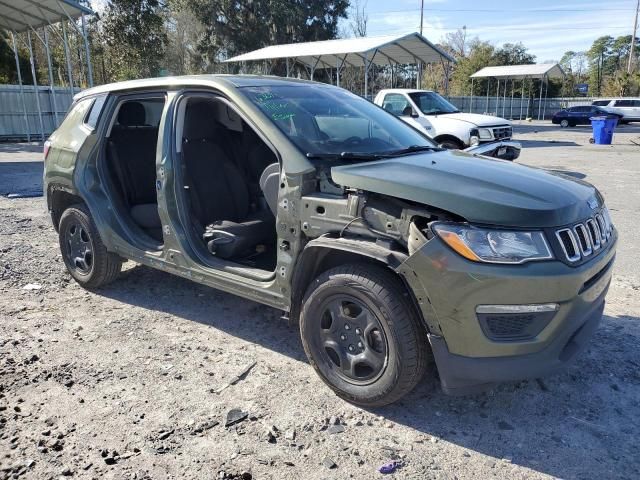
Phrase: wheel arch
(446,136)
(60,198)
(324,253)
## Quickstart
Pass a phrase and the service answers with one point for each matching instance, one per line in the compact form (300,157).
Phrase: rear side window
(93,116)
(77,113)
(627,103)
(601,103)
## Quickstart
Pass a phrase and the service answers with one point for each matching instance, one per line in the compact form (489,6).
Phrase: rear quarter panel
(66,143)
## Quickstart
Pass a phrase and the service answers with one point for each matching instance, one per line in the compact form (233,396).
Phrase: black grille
(513,327)
(502,133)
(584,239)
(508,326)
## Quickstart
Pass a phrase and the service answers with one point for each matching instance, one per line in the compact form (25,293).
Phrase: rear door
(74,139)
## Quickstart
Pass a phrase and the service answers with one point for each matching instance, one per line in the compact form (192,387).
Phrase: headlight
(494,246)
(474,137)
(485,134)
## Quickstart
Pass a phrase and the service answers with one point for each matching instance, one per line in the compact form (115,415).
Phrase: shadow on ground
(542,127)
(550,143)
(20,148)
(556,426)
(21,177)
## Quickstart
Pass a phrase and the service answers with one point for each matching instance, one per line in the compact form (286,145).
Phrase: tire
(365,307)
(450,144)
(84,254)
(564,123)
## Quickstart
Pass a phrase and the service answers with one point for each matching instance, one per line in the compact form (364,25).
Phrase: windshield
(325,121)
(430,103)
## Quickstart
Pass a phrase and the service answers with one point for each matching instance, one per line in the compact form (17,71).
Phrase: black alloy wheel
(85,256)
(351,340)
(363,335)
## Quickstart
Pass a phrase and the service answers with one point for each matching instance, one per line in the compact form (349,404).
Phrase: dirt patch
(149,378)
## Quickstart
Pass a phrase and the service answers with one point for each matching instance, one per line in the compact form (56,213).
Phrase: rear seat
(132,151)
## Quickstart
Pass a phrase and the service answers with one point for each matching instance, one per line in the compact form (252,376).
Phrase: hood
(474,119)
(484,191)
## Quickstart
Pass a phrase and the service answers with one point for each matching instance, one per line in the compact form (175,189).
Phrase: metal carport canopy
(386,50)
(535,70)
(22,15)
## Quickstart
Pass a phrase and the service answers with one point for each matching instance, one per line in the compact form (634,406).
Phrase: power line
(503,10)
(482,27)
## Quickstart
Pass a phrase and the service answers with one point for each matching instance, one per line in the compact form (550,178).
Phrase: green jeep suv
(388,251)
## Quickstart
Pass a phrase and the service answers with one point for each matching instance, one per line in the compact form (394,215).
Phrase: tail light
(45,150)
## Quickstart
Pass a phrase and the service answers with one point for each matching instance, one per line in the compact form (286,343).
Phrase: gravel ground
(129,382)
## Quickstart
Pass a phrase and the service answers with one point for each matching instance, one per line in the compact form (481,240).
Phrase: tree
(232,27)
(134,37)
(359,18)
(184,31)
(599,57)
(8,72)
(480,55)
(513,54)
(456,42)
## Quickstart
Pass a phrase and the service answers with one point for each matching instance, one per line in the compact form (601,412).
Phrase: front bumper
(449,288)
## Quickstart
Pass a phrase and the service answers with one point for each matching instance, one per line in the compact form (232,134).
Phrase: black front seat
(219,192)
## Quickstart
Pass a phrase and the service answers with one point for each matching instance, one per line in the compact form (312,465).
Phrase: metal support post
(35,85)
(540,100)
(67,57)
(86,51)
(529,95)
(504,95)
(497,96)
(546,93)
(366,76)
(24,104)
(513,87)
(471,102)
(337,72)
(486,110)
(52,87)
(521,98)
(287,60)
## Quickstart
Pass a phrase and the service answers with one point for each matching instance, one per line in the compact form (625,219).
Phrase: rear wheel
(83,252)
(362,335)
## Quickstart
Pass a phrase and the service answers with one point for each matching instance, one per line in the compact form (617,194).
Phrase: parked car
(580,115)
(302,196)
(627,108)
(443,122)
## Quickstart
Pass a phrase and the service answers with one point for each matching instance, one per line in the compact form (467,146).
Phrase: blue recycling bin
(603,128)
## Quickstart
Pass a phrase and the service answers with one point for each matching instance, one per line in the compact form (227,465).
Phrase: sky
(547,27)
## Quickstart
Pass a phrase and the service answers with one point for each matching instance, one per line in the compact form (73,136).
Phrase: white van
(443,122)
(629,108)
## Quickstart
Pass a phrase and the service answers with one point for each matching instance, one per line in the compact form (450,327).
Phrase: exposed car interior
(230,179)
(131,161)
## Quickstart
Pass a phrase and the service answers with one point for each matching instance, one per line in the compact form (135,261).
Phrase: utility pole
(419,65)
(633,38)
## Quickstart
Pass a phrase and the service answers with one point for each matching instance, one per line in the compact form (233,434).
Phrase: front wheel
(450,144)
(83,252)
(362,335)
(564,123)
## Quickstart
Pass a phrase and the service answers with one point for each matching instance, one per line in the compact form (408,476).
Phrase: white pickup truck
(443,122)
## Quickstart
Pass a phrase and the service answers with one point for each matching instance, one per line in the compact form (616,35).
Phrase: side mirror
(409,112)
